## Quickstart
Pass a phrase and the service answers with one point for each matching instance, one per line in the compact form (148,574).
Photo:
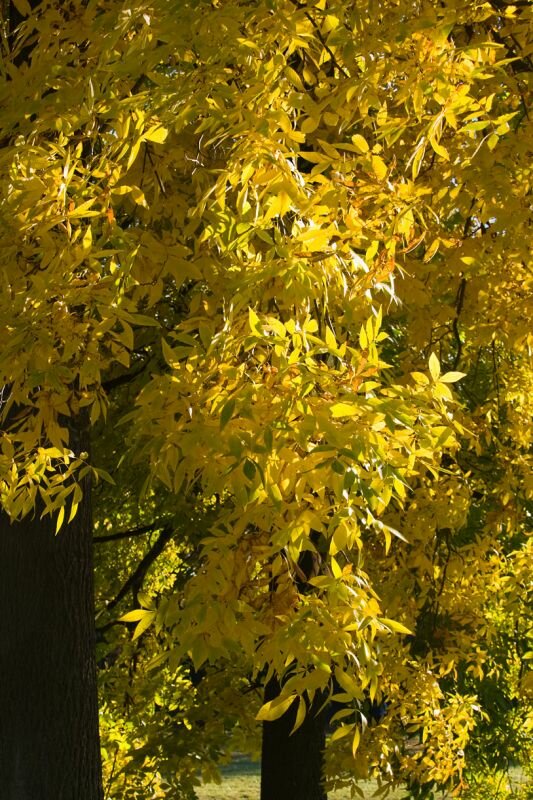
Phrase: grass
(246,787)
(240,781)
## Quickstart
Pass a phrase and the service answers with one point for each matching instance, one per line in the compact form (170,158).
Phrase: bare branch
(113,537)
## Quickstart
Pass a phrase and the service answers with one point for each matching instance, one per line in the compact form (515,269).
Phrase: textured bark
(292,766)
(49,742)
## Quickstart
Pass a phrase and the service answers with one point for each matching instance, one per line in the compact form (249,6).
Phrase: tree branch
(321,39)
(455,324)
(135,580)
(122,380)
(113,537)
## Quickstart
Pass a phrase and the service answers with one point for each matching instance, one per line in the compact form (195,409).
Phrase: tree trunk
(292,766)
(49,742)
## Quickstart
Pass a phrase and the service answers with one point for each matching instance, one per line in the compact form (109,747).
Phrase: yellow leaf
(330,23)
(275,708)
(349,684)
(294,78)
(156,134)
(278,205)
(73,511)
(335,568)
(341,731)
(134,152)
(439,148)
(23,7)
(87,241)
(432,249)
(356,741)
(395,626)
(144,623)
(133,616)
(442,391)
(330,339)
(300,715)
(360,143)
(168,355)
(121,189)
(60,518)
(309,124)
(227,413)
(253,321)
(379,167)
(451,377)
(329,118)
(418,158)
(137,195)
(434,367)
(343,410)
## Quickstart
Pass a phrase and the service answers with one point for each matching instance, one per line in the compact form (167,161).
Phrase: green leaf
(249,469)
(168,355)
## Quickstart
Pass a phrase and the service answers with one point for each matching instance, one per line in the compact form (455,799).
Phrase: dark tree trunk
(49,742)
(292,766)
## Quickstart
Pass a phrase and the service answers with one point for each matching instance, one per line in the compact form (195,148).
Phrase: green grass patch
(246,787)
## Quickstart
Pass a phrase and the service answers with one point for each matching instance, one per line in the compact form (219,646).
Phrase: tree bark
(292,766)
(49,741)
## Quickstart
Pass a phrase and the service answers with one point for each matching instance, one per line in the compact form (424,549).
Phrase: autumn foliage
(279,253)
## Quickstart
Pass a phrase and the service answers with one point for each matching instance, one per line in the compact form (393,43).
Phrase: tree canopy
(279,253)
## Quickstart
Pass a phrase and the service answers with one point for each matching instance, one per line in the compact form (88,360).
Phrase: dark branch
(135,580)
(113,537)
(122,380)
(455,325)
(321,39)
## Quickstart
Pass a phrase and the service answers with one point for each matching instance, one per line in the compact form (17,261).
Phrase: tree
(275,223)
(49,741)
